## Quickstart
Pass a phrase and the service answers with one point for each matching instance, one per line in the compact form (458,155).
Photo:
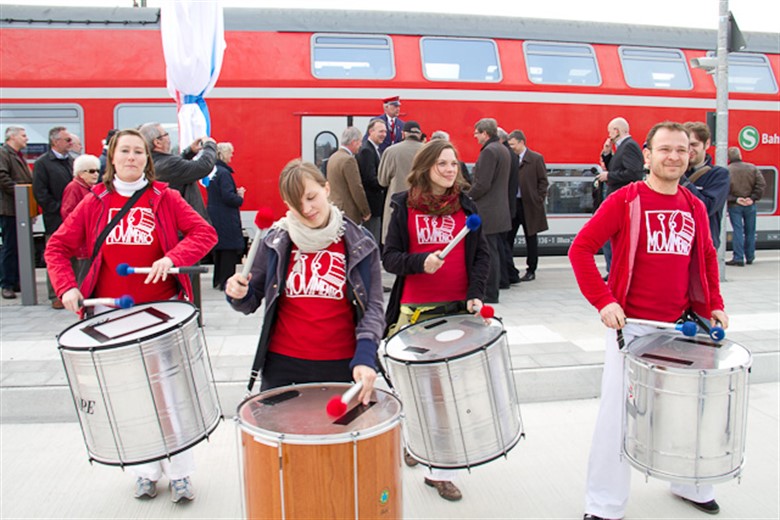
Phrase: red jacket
(76,190)
(618,220)
(172,214)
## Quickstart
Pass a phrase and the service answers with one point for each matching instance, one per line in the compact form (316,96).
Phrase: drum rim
(444,359)
(671,477)
(326,439)
(203,436)
(633,358)
(136,341)
(520,435)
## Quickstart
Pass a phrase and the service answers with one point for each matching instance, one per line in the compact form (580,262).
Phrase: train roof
(391,22)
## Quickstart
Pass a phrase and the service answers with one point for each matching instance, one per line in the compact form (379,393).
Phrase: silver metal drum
(686,407)
(454,376)
(141,381)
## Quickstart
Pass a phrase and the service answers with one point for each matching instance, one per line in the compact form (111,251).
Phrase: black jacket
(397,260)
(223,206)
(368,164)
(626,166)
(50,176)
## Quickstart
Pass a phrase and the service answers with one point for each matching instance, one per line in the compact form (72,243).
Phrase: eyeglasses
(166,134)
(93,170)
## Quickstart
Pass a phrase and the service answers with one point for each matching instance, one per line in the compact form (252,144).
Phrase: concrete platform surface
(45,474)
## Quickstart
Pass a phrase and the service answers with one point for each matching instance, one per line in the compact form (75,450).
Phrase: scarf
(126,189)
(430,204)
(310,240)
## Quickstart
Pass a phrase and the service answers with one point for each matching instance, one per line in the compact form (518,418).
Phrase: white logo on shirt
(326,280)
(669,232)
(135,229)
(433,229)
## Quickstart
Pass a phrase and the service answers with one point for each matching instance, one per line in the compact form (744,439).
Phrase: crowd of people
(388,198)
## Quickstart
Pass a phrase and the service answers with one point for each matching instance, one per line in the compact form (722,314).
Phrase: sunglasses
(166,134)
(91,171)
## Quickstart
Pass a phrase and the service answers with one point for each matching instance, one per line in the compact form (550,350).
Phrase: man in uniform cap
(395,126)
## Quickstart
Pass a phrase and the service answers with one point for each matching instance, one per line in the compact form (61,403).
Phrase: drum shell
(685,425)
(146,400)
(329,476)
(461,411)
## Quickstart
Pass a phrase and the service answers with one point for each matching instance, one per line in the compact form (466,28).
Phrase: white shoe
(145,488)
(181,489)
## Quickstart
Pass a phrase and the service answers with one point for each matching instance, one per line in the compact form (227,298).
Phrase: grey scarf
(310,240)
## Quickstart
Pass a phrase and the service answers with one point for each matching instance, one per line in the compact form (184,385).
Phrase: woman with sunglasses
(86,169)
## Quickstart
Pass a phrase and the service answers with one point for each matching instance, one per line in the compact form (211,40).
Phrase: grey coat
(182,173)
(489,191)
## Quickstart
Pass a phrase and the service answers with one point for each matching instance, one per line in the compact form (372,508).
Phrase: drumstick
(716,332)
(125,269)
(123,302)
(263,220)
(338,404)
(472,223)
(688,328)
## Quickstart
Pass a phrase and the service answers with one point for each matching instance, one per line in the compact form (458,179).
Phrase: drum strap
(114,221)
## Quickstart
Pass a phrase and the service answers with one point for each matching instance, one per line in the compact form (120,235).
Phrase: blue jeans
(743,220)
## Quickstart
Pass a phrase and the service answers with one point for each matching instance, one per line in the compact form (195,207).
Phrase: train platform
(556,344)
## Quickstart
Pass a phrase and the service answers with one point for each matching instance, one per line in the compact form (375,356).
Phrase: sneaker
(447,490)
(710,507)
(409,460)
(181,489)
(145,488)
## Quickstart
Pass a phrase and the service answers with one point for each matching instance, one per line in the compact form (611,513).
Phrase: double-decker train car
(292,80)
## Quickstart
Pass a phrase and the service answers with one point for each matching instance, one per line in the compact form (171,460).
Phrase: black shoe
(504,286)
(18,288)
(710,507)
(592,517)
(605,277)
(735,262)
(529,276)
(748,262)
(386,288)
(8,293)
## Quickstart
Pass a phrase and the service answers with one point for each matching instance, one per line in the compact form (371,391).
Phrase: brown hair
(699,129)
(108,176)
(668,125)
(293,178)
(425,159)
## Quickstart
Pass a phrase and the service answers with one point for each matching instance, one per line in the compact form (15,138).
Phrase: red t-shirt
(659,283)
(135,241)
(315,319)
(429,233)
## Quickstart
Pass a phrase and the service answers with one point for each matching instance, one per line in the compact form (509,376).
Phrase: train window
(561,63)
(749,73)
(352,57)
(450,59)
(768,203)
(133,115)
(572,189)
(655,68)
(324,145)
(37,120)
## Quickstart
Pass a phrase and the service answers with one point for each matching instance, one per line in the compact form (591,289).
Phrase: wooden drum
(297,462)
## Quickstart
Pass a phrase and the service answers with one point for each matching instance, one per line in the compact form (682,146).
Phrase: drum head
(675,351)
(298,413)
(447,337)
(126,326)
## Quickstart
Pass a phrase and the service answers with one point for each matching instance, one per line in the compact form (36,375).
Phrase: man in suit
(489,192)
(346,187)
(368,162)
(509,273)
(531,193)
(396,164)
(394,125)
(13,171)
(53,171)
(624,166)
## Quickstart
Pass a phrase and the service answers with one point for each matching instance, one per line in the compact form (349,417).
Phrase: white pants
(440,475)
(181,465)
(609,475)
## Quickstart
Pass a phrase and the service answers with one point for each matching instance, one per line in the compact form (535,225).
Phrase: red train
(292,80)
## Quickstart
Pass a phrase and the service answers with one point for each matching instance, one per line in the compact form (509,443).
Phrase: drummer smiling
(654,228)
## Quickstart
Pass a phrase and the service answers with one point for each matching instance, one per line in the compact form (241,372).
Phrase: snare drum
(141,381)
(300,463)
(686,407)
(455,378)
